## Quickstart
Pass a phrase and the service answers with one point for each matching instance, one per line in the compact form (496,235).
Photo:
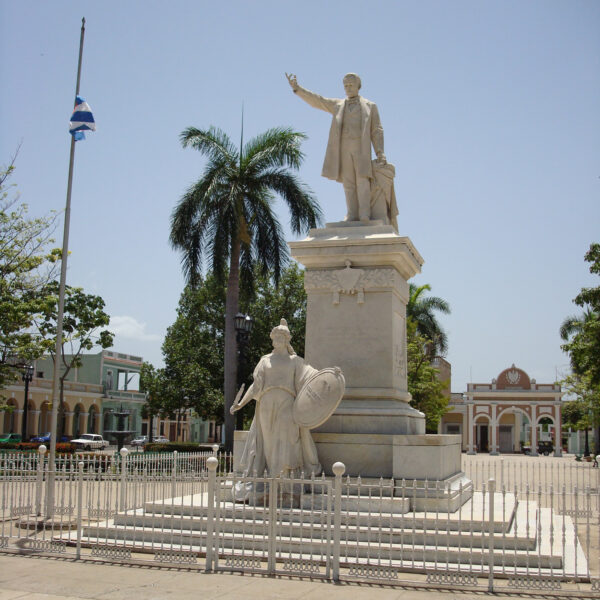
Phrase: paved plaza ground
(35,578)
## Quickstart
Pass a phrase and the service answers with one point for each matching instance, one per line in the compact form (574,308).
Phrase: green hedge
(172,446)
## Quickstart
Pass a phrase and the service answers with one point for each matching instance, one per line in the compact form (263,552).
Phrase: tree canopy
(84,321)
(583,345)
(582,337)
(27,264)
(424,384)
(422,309)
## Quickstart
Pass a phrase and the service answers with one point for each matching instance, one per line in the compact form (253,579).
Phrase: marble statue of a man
(354,128)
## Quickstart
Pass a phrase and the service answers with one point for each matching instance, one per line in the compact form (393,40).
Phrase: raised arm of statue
(329,105)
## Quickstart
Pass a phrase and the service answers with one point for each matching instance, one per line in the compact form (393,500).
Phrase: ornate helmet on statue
(282,329)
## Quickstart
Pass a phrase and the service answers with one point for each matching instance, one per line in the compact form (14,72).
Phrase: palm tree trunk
(230,367)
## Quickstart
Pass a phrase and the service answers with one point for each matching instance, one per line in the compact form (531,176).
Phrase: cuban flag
(82,119)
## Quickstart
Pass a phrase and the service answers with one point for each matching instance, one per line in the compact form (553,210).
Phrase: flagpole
(61,307)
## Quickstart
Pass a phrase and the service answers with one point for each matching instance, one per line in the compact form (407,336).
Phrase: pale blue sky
(491,116)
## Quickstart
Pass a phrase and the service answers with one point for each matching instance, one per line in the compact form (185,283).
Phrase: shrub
(63,448)
(172,446)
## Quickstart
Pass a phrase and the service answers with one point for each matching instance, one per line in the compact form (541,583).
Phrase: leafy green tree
(424,384)
(84,320)
(583,346)
(229,215)
(152,383)
(193,353)
(574,415)
(422,310)
(27,263)
(587,403)
(582,336)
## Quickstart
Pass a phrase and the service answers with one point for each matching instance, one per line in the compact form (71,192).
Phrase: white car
(160,439)
(90,441)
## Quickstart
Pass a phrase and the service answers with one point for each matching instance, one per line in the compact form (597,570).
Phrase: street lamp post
(243,328)
(27,377)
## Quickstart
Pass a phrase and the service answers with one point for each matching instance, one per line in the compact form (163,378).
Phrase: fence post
(338,470)
(491,490)
(211,465)
(40,476)
(124,453)
(79,509)
(174,475)
(272,529)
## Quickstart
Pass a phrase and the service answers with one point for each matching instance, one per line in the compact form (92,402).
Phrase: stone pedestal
(356,281)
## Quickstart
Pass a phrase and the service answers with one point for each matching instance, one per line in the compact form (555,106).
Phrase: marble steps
(525,537)
(155,514)
(373,533)
(472,516)
(149,540)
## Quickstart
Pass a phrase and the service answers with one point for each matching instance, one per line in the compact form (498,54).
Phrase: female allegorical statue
(275,441)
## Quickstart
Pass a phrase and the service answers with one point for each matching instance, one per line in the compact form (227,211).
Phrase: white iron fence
(501,532)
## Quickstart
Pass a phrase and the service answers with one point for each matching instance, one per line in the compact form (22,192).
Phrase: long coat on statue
(372,132)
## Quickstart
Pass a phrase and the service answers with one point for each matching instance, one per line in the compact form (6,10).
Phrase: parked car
(545,447)
(140,441)
(10,437)
(160,439)
(44,438)
(90,441)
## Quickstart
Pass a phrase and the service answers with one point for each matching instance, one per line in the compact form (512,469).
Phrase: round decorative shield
(319,397)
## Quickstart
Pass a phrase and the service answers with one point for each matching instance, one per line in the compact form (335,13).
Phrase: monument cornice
(373,246)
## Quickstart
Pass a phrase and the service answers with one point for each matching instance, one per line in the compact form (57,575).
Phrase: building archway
(513,433)
(77,421)
(45,417)
(482,424)
(10,417)
(92,420)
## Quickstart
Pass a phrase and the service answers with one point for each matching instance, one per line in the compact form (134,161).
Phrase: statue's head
(281,335)
(352,84)
(281,329)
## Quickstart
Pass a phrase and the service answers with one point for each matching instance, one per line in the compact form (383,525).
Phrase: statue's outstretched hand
(292,80)
(235,406)
(381,159)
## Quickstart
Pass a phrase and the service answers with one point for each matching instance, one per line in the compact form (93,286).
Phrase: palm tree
(574,324)
(228,215)
(421,310)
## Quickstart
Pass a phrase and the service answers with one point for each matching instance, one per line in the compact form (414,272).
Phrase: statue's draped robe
(275,442)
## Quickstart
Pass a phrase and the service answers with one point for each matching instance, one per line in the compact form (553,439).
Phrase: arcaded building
(510,412)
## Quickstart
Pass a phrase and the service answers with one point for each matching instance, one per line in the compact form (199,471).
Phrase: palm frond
(275,147)
(305,211)
(213,142)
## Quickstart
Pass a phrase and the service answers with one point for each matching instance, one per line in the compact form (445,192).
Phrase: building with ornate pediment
(511,412)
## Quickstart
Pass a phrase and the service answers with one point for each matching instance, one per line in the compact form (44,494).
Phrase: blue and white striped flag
(82,120)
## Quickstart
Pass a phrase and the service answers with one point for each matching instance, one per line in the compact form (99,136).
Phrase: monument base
(432,462)
(378,416)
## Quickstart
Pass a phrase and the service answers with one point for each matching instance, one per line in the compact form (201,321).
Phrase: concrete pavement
(40,578)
